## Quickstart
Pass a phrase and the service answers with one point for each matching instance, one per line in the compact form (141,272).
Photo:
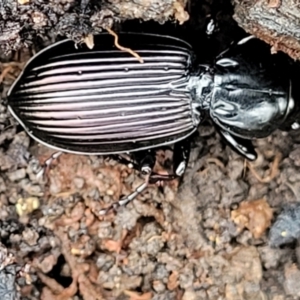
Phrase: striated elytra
(104,100)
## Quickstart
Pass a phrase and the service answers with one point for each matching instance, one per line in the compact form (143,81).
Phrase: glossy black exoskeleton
(249,93)
(104,101)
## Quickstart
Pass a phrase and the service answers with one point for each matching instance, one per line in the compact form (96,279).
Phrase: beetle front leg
(242,146)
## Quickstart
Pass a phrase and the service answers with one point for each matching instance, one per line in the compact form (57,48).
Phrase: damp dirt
(206,238)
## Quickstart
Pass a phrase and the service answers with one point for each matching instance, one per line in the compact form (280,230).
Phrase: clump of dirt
(254,215)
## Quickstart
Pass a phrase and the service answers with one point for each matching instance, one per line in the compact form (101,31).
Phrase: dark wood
(277,22)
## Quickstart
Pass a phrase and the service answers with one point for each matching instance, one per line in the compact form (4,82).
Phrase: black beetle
(249,93)
(104,101)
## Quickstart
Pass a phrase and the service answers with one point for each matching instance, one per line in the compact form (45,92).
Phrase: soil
(206,238)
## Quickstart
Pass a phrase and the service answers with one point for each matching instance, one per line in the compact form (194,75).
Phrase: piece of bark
(277,22)
(160,11)
(22,21)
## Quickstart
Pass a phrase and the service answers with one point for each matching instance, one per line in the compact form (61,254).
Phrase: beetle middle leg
(145,166)
(181,157)
(144,161)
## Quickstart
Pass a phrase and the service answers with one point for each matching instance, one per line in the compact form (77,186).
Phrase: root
(273,170)
(123,48)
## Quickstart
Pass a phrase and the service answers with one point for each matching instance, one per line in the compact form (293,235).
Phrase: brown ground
(206,240)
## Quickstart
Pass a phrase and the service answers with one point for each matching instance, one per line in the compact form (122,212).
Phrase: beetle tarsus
(124,201)
(47,163)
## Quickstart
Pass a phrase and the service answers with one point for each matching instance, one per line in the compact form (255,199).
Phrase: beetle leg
(181,157)
(128,161)
(180,160)
(147,164)
(47,163)
(144,162)
(141,188)
(150,179)
(242,146)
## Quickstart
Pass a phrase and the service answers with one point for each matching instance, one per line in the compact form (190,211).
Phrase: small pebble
(292,279)
(158,286)
(26,206)
(79,182)
(110,192)
(189,295)
(2,185)
(17,175)
(30,236)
